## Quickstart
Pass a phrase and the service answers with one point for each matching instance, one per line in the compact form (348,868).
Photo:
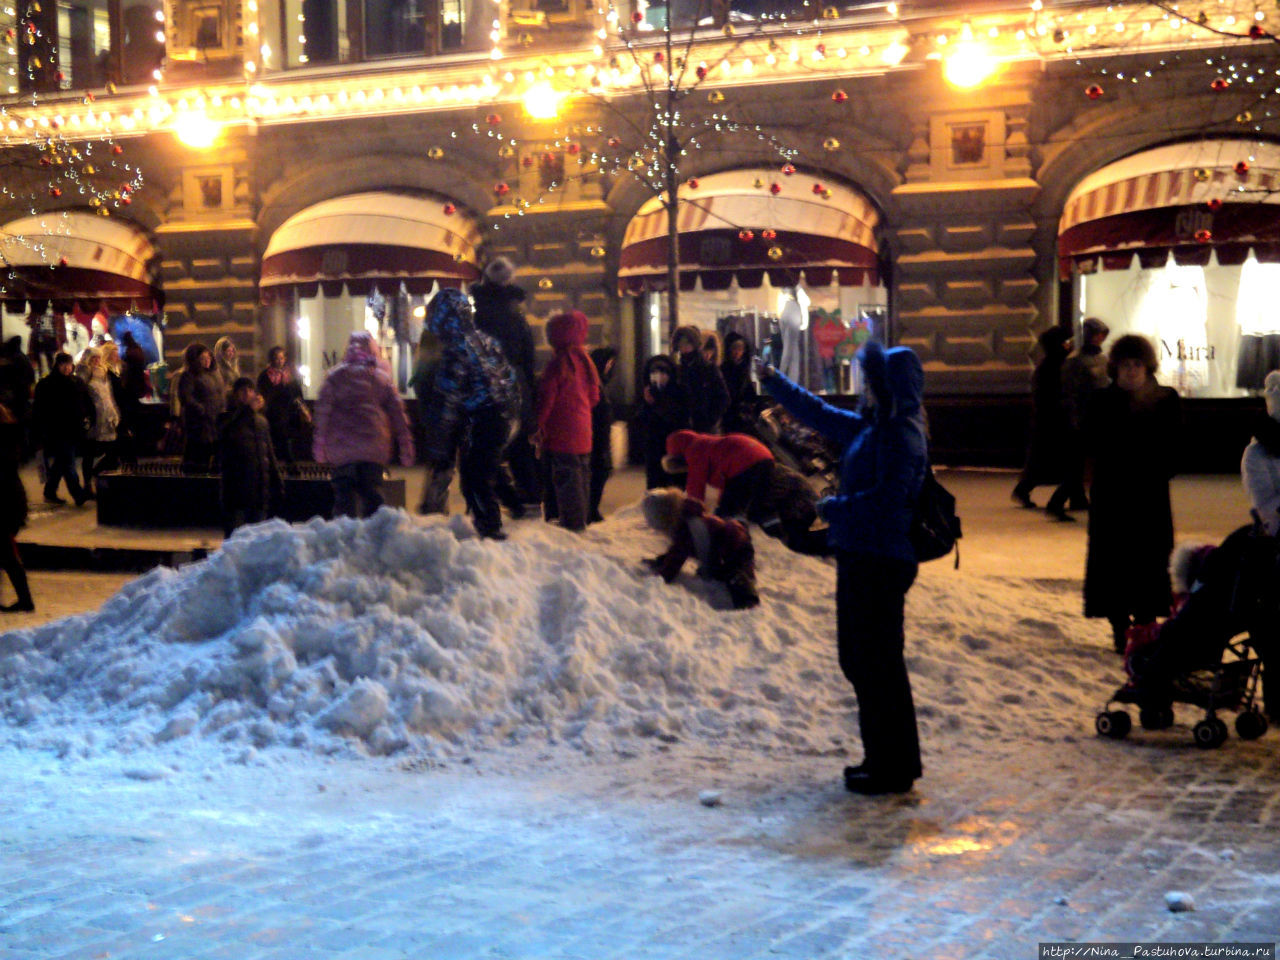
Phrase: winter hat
(361,349)
(1187,565)
(674,463)
(1271,391)
(500,270)
(1091,327)
(662,508)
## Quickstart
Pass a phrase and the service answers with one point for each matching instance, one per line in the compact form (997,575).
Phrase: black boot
(24,603)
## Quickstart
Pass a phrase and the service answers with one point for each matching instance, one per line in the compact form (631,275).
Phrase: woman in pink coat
(568,389)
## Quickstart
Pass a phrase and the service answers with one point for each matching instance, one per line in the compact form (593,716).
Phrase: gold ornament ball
(90,170)
(715,96)
(831,144)
(459,258)
(775,252)
(757,183)
(728,30)
(435,153)
(597,252)
(545,283)
(1244,117)
(830,13)
(506,152)
(1201,174)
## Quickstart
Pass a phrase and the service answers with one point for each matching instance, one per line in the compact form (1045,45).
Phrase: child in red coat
(722,547)
(568,389)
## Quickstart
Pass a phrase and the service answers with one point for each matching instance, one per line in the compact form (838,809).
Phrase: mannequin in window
(793,321)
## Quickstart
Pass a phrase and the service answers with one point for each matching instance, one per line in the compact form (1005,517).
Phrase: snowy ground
(391,739)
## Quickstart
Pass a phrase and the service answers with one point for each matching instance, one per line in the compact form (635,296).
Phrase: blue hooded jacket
(473,373)
(885,452)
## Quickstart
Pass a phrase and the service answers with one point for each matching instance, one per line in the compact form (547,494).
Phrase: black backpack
(935,527)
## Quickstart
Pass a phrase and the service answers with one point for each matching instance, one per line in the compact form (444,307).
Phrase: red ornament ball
(658,57)
(574,148)
(493,119)
(527,160)
(1215,204)
(1093,91)
(746,236)
(117,149)
(450,209)
(59,76)
(637,17)
(817,189)
(1203,236)
(55,191)
(1219,84)
(701,72)
(788,169)
(775,188)
(693,183)
(822,49)
(614,142)
(1256,32)
(501,189)
(1242,167)
(839,96)
(62,261)
(126,201)
(769,234)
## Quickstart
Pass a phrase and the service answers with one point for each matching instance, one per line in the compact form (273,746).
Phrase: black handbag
(935,526)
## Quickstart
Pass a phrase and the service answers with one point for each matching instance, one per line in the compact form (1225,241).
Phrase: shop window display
(1214,327)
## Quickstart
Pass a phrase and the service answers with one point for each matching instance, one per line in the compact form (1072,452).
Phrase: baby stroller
(799,447)
(1210,653)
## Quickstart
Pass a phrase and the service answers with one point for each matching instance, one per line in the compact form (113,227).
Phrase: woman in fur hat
(722,547)
(702,381)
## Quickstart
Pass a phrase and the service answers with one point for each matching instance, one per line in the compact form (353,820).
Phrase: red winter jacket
(714,460)
(569,387)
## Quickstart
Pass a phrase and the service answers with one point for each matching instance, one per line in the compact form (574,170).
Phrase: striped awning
(74,256)
(367,240)
(733,226)
(1192,200)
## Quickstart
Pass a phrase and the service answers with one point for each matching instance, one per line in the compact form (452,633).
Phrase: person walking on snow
(358,416)
(1048,418)
(881,472)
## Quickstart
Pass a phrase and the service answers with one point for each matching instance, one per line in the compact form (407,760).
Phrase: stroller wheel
(1114,724)
(1158,718)
(1250,725)
(1209,733)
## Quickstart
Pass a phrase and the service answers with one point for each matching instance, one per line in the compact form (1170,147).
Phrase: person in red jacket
(737,465)
(722,547)
(568,389)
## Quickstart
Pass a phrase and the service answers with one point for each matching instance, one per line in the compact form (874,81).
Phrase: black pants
(60,464)
(526,477)
(198,456)
(11,564)
(235,517)
(361,480)
(97,456)
(1070,493)
(740,492)
(870,597)
(482,448)
(601,470)
(569,475)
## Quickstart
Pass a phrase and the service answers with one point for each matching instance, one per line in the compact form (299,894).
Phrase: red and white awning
(818,231)
(1191,200)
(75,256)
(365,240)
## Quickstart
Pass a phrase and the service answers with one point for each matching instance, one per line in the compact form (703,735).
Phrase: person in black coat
(17,380)
(1048,417)
(499,312)
(664,409)
(605,359)
(204,399)
(250,484)
(13,510)
(743,395)
(287,415)
(62,412)
(702,382)
(439,475)
(1131,434)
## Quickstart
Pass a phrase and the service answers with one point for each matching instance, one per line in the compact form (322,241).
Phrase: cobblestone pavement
(297,857)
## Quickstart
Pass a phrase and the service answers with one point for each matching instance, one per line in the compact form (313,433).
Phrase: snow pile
(398,634)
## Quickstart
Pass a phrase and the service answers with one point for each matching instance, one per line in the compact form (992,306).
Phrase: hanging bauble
(1203,19)
(117,149)
(1201,174)
(775,188)
(775,252)
(658,57)
(692,183)
(1059,35)
(435,153)
(125,188)
(90,169)
(506,151)
(1219,84)
(493,119)
(545,283)
(55,191)
(637,17)
(597,251)
(820,49)
(830,13)
(111,86)
(728,30)
(459,258)
(1204,236)
(746,236)
(1256,32)
(839,96)
(831,144)
(573,149)
(788,169)
(126,200)
(62,261)
(46,162)
(450,209)
(1215,204)
(715,96)
(1093,91)
(1242,167)
(501,189)
(826,193)
(525,38)
(768,234)
(59,76)
(88,96)
(614,143)
(817,189)
(1244,117)
(701,73)
(635,164)
(758,183)
(527,160)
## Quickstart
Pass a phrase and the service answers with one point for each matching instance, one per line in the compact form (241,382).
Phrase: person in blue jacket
(881,470)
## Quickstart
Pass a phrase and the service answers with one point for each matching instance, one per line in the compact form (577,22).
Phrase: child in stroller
(1210,651)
